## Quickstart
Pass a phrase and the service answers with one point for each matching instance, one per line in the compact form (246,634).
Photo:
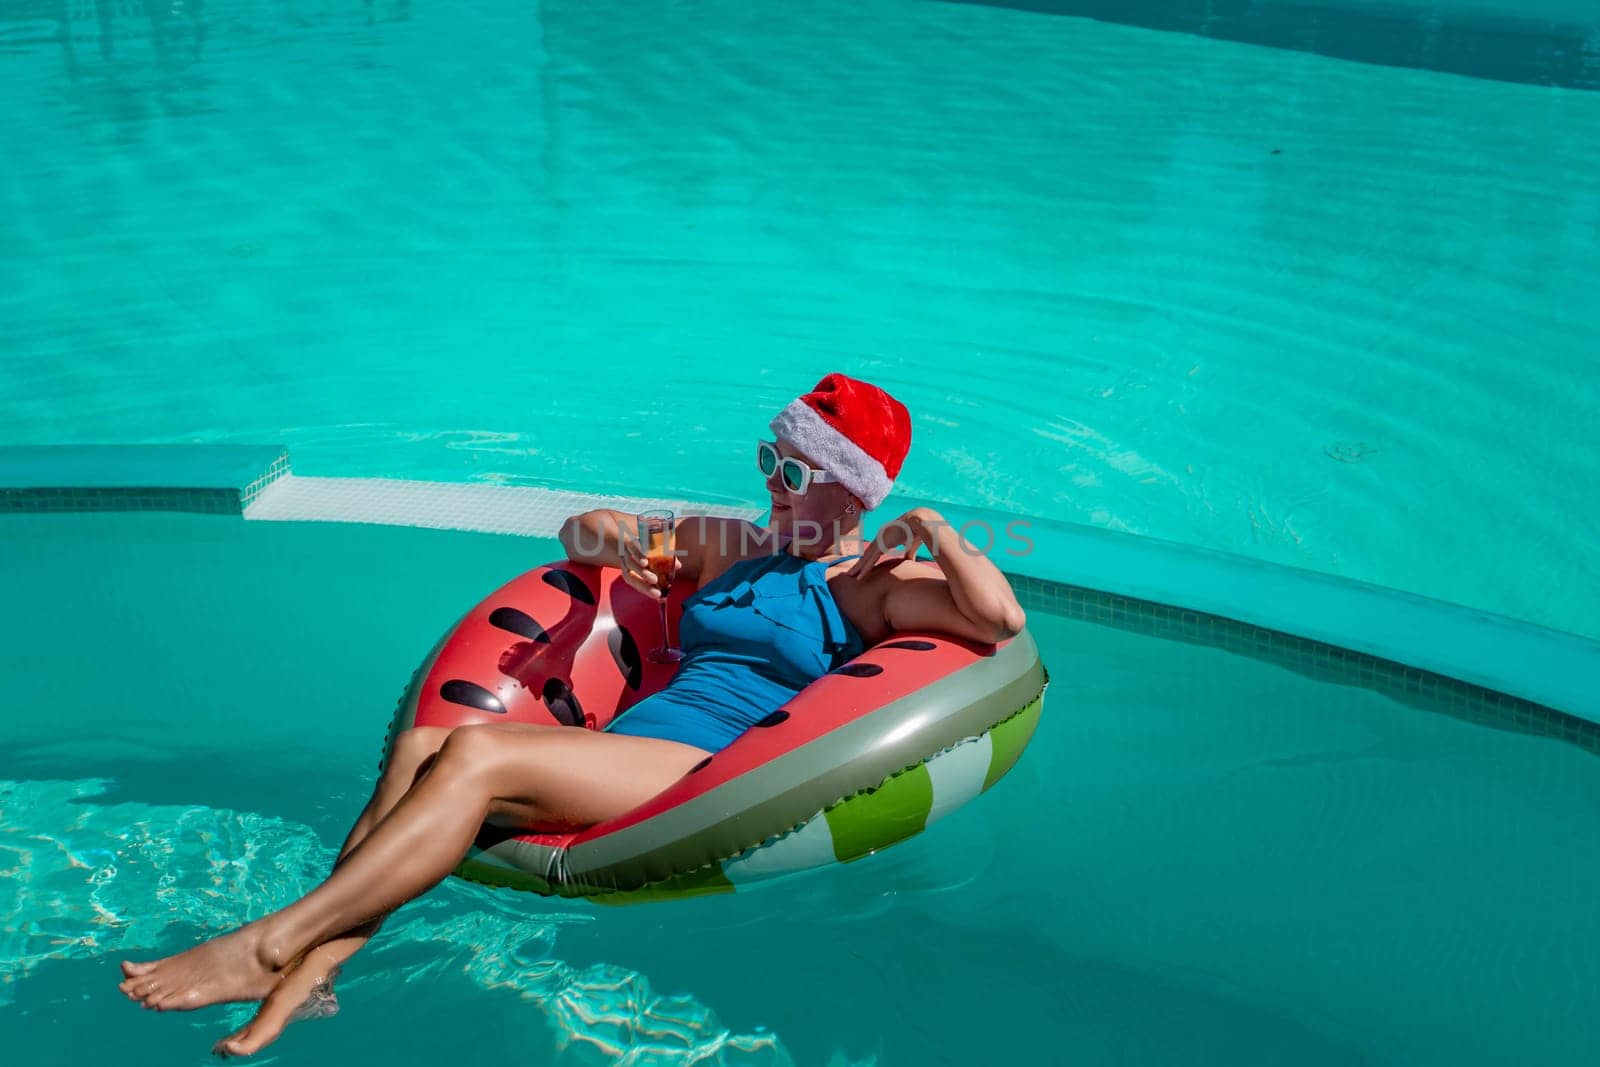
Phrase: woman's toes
(131,969)
(175,1000)
(234,1045)
(225,1048)
(246,1041)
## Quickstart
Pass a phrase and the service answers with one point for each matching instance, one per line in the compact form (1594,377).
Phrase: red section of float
(563,645)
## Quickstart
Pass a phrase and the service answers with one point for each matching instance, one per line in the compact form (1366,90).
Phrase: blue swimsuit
(763,630)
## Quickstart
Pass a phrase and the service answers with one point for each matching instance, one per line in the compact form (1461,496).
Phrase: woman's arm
(962,593)
(596,536)
(609,538)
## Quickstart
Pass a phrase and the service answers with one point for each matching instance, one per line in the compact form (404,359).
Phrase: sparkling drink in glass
(656,539)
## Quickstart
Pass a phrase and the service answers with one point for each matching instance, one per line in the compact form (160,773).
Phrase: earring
(850,509)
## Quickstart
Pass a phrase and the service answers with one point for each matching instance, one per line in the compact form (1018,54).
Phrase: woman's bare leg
(306,990)
(507,774)
(414,750)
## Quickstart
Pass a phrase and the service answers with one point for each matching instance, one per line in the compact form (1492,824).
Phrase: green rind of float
(706,881)
(703,882)
(499,877)
(877,818)
(1009,738)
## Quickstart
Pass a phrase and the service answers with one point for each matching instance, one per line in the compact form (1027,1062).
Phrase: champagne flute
(656,538)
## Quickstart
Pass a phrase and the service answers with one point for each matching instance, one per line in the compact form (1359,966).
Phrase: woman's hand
(635,566)
(909,532)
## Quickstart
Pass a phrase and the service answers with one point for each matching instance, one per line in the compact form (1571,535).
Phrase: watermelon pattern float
(867,755)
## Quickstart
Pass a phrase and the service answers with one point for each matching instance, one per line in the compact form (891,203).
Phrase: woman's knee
(413,748)
(476,746)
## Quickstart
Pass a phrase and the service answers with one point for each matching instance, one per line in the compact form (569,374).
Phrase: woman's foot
(303,993)
(236,966)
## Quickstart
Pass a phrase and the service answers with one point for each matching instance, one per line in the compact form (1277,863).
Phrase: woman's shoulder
(710,544)
(864,600)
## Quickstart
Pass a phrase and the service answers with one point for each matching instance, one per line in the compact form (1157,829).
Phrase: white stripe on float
(809,846)
(958,775)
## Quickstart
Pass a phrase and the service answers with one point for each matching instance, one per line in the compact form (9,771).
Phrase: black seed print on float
(775,718)
(625,652)
(471,695)
(859,670)
(520,623)
(569,584)
(912,644)
(701,765)
(563,704)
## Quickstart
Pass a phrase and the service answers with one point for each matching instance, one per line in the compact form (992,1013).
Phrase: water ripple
(82,879)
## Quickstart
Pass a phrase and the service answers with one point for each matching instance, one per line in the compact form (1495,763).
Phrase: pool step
(214,478)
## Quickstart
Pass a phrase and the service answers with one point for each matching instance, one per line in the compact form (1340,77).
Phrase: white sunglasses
(797,477)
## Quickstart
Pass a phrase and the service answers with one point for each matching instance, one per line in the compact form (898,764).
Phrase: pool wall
(1445,657)
(1535,42)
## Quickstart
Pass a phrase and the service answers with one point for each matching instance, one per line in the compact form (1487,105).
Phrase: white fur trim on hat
(801,426)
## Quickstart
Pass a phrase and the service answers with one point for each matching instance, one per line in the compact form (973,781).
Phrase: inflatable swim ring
(866,756)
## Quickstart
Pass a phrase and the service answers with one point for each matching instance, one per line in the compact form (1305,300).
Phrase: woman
(800,611)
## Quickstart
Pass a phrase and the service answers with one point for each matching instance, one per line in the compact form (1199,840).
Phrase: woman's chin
(780,525)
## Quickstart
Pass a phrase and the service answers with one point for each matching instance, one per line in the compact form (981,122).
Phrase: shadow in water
(176,29)
(1511,49)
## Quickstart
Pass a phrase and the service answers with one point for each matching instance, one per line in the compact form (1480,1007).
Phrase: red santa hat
(854,430)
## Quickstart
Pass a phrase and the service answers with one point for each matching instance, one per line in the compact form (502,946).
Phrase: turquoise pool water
(1301,282)
(1201,859)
